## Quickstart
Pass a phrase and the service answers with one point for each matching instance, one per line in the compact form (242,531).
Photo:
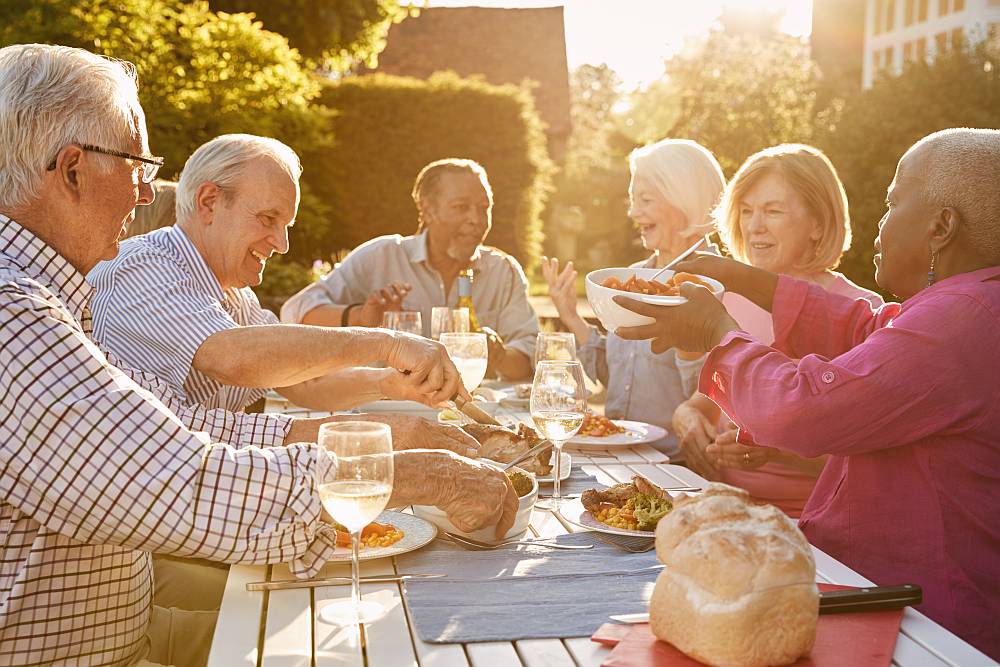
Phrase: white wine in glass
(469,352)
(558,404)
(354,494)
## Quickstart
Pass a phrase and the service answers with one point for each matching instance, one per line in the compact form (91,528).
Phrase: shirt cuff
(264,430)
(711,382)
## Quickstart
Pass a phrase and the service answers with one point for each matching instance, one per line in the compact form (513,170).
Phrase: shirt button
(627,387)
(828,377)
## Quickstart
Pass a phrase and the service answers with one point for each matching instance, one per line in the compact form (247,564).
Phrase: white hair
(51,96)
(687,175)
(223,160)
(962,170)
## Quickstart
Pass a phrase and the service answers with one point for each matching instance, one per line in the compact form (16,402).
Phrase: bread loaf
(738,589)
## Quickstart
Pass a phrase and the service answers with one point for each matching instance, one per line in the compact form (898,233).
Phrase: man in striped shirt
(99,467)
(177,301)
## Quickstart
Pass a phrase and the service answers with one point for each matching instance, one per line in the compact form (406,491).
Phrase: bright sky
(634,37)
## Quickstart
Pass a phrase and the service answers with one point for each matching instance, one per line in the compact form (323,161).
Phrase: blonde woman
(785,211)
(676,184)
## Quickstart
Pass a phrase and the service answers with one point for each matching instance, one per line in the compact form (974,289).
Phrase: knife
(526,455)
(474,412)
(873,598)
(333,581)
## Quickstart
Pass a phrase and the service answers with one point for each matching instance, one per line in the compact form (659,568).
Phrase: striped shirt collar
(42,263)
(200,271)
(416,248)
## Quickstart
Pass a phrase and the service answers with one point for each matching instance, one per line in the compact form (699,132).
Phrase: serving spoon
(678,259)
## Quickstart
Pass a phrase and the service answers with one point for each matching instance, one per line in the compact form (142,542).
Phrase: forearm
(340,390)
(757,285)
(284,355)
(515,365)
(577,326)
(325,316)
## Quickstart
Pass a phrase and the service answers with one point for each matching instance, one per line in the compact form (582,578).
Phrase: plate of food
(391,534)
(599,431)
(502,444)
(630,508)
(517,397)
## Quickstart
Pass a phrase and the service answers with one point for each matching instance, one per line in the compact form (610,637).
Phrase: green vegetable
(649,510)
(522,483)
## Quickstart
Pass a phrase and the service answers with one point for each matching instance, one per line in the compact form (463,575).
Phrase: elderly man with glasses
(100,467)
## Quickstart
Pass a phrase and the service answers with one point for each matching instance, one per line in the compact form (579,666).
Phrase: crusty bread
(739,586)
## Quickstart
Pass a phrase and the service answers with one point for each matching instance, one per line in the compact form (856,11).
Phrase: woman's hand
(696,326)
(695,432)
(731,454)
(755,284)
(562,286)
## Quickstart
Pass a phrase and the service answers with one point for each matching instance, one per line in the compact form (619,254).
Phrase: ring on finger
(746,458)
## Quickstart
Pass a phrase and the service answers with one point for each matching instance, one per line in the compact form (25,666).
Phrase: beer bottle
(465,297)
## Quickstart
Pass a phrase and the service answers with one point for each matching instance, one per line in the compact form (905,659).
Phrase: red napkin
(864,639)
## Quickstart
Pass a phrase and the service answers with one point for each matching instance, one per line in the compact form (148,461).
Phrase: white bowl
(488,534)
(612,315)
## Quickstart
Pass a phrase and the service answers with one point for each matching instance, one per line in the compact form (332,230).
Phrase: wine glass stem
(355,573)
(557,446)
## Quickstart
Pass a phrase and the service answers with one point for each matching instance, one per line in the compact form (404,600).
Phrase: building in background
(901,31)
(502,45)
(837,43)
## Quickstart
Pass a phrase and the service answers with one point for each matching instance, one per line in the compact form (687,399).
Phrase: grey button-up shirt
(640,385)
(499,292)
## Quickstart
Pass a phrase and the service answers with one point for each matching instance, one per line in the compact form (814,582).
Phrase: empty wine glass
(354,493)
(407,321)
(469,352)
(558,403)
(448,320)
(555,346)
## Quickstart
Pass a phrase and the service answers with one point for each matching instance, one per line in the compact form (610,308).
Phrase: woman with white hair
(676,183)
(785,211)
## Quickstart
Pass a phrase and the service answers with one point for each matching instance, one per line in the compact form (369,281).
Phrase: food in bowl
(635,505)
(500,444)
(373,535)
(672,286)
(522,483)
(599,426)
(613,316)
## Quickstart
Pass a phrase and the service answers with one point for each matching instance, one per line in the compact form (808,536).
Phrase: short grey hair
(687,175)
(962,170)
(52,96)
(223,160)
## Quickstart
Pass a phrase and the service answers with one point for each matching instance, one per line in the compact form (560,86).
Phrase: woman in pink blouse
(905,399)
(785,211)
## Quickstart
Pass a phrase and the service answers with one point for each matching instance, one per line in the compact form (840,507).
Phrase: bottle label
(464,286)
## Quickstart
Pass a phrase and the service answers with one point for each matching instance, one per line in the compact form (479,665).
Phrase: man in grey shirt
(455,202)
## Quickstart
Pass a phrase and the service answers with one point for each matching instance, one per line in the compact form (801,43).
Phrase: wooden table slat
(544,653)
(235,642)
(491,654)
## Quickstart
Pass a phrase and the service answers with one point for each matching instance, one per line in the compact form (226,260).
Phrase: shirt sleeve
(517,321)
(689,371)
(99,460)
(919,376)
(593,357)
(153,315)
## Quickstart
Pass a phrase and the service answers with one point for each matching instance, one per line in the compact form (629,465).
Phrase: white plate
(636,433)
(511,400)
(416,533)
(573,512)
(565,467)
(400,407)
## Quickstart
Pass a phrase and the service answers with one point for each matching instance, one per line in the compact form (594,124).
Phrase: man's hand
(410,432)
(473,494)
(696,326)
(695,431)
(378,303)
(731,454)
(402,387)
(428,363)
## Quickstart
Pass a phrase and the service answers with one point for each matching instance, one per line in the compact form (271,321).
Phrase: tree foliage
(388,128)
(337,33)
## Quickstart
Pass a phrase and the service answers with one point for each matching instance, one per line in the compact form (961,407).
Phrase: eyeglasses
(148,167)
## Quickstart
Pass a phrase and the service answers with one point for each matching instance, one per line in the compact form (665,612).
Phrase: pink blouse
(776,483)
(907,400)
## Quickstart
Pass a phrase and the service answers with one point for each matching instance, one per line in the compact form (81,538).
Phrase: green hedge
(386,128)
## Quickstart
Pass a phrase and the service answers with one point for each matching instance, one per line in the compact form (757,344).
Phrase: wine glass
(555,346)
(469,352)
(408,321)
(354,494)
(445,320)
(558,402)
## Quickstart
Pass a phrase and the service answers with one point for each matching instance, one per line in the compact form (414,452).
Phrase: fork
(636,544)
(472,545)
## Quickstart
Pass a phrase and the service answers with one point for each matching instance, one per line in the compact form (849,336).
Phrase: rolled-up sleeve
(517,321)
(593,356)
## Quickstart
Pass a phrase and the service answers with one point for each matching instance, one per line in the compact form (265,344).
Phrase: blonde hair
(962,170)
(811,175)
(687,175)
(428,181)
(52,96)
(222,161)
(161,213)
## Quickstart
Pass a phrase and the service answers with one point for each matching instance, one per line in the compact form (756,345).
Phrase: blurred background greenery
(301,71)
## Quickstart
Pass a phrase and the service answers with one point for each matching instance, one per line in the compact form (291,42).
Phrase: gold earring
(930,274)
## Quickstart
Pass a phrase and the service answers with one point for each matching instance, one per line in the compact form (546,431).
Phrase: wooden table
(280,629)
